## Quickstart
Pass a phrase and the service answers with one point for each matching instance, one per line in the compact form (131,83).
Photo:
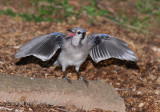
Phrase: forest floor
(138,83)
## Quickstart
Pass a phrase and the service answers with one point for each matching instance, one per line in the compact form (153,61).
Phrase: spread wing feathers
(42,47)
(105,46)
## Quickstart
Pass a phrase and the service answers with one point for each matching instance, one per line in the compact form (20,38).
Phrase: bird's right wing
(42,47)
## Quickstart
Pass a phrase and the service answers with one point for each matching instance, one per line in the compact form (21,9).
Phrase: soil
(138,83)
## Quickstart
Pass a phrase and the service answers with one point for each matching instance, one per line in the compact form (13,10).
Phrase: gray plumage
(76,47)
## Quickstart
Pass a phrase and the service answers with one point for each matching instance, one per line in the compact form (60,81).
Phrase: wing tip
(135,59)
(16,56)
(20,56)
(43,58)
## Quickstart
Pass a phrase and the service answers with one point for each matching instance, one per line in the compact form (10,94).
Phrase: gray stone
(59,92)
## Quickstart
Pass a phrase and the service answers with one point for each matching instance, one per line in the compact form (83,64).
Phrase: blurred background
(136,15)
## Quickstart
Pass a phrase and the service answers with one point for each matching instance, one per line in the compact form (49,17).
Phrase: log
(98,94)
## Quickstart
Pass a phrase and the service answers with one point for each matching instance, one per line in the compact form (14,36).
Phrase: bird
(75,49)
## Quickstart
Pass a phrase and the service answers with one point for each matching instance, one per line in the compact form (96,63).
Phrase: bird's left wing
(42,47)
(104,46)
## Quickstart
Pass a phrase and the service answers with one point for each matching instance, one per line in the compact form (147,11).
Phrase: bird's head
(77,31)
(77,34)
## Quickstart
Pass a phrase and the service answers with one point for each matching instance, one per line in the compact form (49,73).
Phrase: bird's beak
(71,33)
(69,30)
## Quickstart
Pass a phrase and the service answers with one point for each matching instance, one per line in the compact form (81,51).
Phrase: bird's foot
(85,81)
(69,81)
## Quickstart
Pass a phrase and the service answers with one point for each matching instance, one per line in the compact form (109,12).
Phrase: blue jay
(75,48)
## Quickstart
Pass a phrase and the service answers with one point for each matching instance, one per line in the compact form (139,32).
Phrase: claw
(69,81)
(65,76)
(85,81)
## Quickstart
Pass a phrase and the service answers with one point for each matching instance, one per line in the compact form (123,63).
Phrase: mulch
(137,83)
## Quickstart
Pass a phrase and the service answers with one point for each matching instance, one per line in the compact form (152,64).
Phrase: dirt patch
(137,83)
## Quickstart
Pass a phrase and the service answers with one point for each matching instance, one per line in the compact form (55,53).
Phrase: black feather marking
(83,35)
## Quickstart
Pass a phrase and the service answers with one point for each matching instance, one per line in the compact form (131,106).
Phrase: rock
(98,94)
(158,80)
(141,105)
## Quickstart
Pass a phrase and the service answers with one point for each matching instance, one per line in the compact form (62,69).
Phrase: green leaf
(49,19)
(65,1)
(69,9)
(102,12)
(50,1)
(38,18)
(2,12)
(91,20)
(59,20)
(90,10)
(26,17)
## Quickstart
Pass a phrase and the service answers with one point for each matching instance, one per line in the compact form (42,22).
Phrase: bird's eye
(78,32)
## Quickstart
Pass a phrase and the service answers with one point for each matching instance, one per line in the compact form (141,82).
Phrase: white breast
(72,56)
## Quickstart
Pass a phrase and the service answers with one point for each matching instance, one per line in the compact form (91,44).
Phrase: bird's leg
(56,63)
(65,75)
(86,82)
(77,70)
